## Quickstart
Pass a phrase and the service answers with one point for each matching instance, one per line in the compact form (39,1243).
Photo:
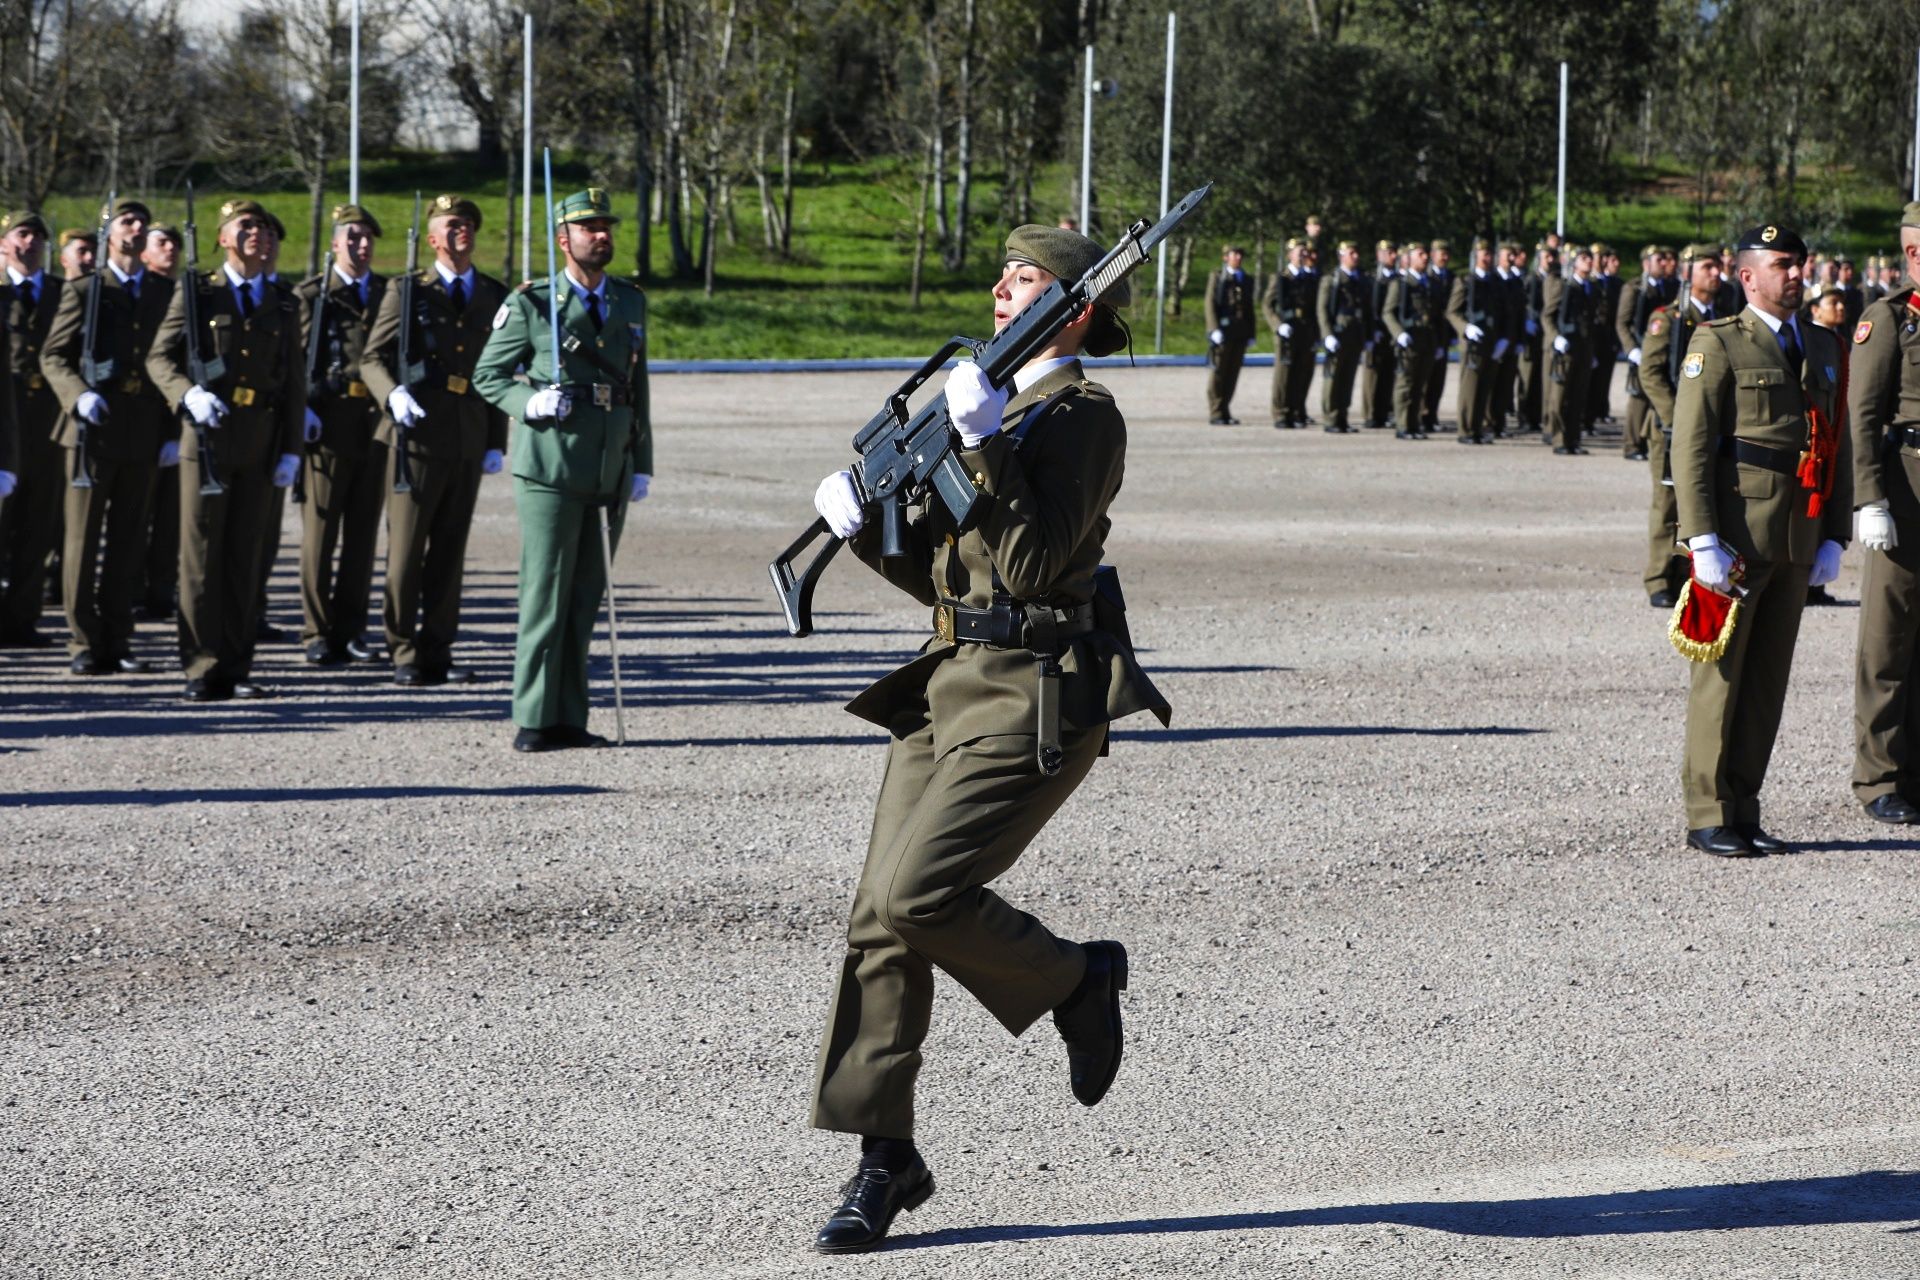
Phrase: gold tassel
(1689,648)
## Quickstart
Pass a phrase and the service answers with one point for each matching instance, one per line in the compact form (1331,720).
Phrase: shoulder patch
(500,316)
(1657,323)
(1695,362)
(1863,331)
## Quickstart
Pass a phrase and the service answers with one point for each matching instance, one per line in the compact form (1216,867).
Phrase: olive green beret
(1411,245)
(1063,253)
(1600,248)
(348,214)
(123,206)
(590,205)
(1510,246)
(1440,245)
(1910,216)
(1649,251)
(1348,246)
(448,205)
(70,234)
(234,209)
(1294,242)
(24,218)
(1842,258)
(166,229)
(1481,242)
(1386,245)
(1700,250)
(1581,250)
(1665,249)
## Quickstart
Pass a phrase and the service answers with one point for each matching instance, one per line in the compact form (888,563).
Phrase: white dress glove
(170,454)
(491,462)
(1560,344)
(1711,563)
(285,470)
(1217,337)
(839,505)
(1826,564)
(974,404)
(312,431)
(92,406)
(1286,331)
(207,408)
(548,402)
(1873,527)
(641,484)
(1331,343)
(1500,349)
(7,481)
(1633,356)
(405,409)
(1475,333)
(1404,340)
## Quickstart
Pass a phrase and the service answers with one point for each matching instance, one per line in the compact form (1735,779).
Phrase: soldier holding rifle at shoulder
(1229,330)
(1413,317)
(1376,379)
(1345,323)
(1478,313)
(37,494)
(1290,302)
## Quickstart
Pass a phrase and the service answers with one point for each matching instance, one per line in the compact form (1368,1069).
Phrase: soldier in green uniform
(1378,366)
(1414,318)
(1229,330)
(1571,306)
(1477,310)
(584,447)
(1639,298)
(33,512)
(454,434)
(1345,321)
(251,413)
(1440,276)
(1758,390)
(160,575)
(1512,270)
(348,472)
(127,431)
(1607,286)
(1289,305)
(1883,406)
(1669,332)
(963,792)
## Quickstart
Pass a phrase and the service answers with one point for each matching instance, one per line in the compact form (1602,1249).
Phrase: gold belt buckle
(131,384)
(943,622)
(357,390)
(244,396)
(456,384)
(602,396)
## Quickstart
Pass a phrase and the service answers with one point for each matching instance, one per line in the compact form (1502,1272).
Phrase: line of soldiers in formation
(150,434)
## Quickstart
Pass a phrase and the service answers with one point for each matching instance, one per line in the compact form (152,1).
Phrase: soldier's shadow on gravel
(288,795)
(1878,1196)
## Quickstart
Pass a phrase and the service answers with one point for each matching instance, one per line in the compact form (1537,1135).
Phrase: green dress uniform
(566,471)
(427,528)
(1883,404)
(1412,310)
(1530,396)
(1230,313)
(1740,425)
(1669,334)
(348,471)
(1440,288)
(1607,288)
(34,514)
(1379,365)
(223,536)
(104,553)
(1571,307)
(1342,313)
(1291,299)
(962,794)
(1479,300)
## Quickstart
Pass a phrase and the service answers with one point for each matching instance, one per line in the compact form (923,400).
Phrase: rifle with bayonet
(201,371)
(93,370)
(407,370)
(319,374)
(908,458)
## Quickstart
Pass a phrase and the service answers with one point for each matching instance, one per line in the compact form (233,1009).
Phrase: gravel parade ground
(1424,982)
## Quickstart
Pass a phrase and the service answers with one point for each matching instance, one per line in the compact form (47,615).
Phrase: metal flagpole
(353,113)
(1916,128)
(1560,209)
(526,149)
(1086,149)
(1166,173)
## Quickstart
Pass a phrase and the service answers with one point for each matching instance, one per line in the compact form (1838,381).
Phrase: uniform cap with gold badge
(1481,242)
(1294,242)
(591,205)
(1440,246)
(1348,246)
(1600,249)
(1068,255)
(1386,246)
(1771,239)
(234,210)
(1910,216)
(166,230)
(1411,245)
(124,206)
(448,205)
(1226,249)
(1701,250)
(24,218)
(345,215)
(1649,251)
(70,234)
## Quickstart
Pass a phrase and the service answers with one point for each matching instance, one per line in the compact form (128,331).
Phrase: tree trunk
(786,158)
(936,126)
(316,195)
(920,230)
(510,267)
(955,254)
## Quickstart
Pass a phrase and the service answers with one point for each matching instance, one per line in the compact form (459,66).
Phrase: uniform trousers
(563,577)
(344,497)
(1336,382)
(1667,568)
(1376,382)
(1886,714)
(104,552)
(1410,384)
(33,530)
(427,559)
(1291,377)
(160,578)
(222,539)
(1223,365)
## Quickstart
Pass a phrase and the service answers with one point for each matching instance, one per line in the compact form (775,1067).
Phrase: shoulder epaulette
(1718,323)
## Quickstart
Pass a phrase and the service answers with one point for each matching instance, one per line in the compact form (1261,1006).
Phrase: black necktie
(246,299)
(593,310)
(133,287)
(459,292)
(1790,347)
(27,293)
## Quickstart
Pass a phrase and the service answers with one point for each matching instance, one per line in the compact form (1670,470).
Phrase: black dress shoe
(1089,1021)
(1232,421)
(566,735)
(26,638)
(1468,440)
(359,650)
(1406,435)
(1819,596)
(204,690)
(322,653)
(1218,422)
(1661,599)
(83,664)
(1721,842)
(451,674)
(1760,840)
(265,632)
(1579,452)
(250,690)
(413,676)
(1892,808)
(531,740)
(874,1197)
(1563,451)
(128,665)
(1638,455)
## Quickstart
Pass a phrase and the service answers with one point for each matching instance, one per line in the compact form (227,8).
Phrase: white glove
(974,405)
(405,409)
(548,402)
(170,454)
(285,470)
(1826,564)
(92,406)
(1874,528)
(641,483)
(207,408)
(491,462)
(1404,340)
(1560,344)
(1286,331)
(1633,356)
(1475,333)
(1711,563)
(312,431)
(838,505)
(1500,349)
(1331,343)
(1217,337)
(7,481)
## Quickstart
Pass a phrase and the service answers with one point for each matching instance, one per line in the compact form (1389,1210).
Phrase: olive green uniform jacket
(30,532)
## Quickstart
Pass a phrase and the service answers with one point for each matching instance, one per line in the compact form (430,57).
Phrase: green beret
(1772,239)
(348,214)
(1700,250)
(1600,248)
(1066,254)
(234,209)
(1348,246)
(24,218)
(1481,242)
(1440,245)
(1411,245)
(1386,246)
(1910,216)
(1649,251)
(590,205)
(125,205)
(1510,246)
(70,234)
(1294,242)
(448,205)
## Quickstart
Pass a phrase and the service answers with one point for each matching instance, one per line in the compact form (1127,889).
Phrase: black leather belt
(1006,626)
(602,395)
(1758,455)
